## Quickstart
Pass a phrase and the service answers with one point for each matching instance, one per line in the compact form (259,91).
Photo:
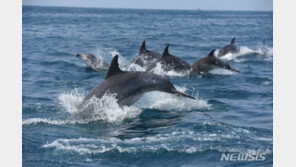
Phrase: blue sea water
(233,112)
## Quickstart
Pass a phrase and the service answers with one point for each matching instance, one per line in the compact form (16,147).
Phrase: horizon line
(197,9)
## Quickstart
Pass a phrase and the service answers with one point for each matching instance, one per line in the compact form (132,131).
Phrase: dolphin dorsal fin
(113,68)
(232,41)
(211,54)
(166,51)
(143,46)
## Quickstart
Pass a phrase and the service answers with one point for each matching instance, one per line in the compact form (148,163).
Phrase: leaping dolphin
(231,48)
(129,86)
(145,57)
(170,63)
(208,63)
(92,62)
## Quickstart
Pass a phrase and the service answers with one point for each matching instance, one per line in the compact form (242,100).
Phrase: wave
(46,121)
(182,141)
(106,109)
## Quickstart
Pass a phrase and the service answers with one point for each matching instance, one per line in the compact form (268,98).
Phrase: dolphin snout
(77,55)
(235,70)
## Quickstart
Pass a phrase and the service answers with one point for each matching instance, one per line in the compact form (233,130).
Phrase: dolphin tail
(182,94)
(235,70)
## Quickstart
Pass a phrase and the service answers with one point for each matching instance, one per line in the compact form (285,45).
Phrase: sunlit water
(232,113)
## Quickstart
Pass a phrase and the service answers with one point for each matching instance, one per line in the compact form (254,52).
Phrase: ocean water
(233,112)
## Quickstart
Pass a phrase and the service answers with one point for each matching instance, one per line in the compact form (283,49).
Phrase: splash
(34,121)
(135,67)
(159,70)
(265,52)
(170,102)
(106,109)
(243,50)
(108,53)
(70,101)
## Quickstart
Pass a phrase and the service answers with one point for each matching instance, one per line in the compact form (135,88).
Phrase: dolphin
(170,63)
(208,63)
(263,48)
(231,48)
(145,57)
(92,62)
(129,86)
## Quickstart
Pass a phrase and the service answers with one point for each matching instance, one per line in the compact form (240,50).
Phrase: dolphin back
(145,57)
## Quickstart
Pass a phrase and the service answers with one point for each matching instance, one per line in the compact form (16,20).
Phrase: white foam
(96,109)
(135,67)
(183,141)
(123,63)
(170,102)
(267,52)
(44,120)
(106,109)
(222,71)
(70,101)
(159,70)
(265,139)
(108,53)
(243,50)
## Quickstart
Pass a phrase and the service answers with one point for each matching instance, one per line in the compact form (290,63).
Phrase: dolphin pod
(149,60)
(129,86)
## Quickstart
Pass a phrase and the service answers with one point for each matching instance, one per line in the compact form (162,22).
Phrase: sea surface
(233,112)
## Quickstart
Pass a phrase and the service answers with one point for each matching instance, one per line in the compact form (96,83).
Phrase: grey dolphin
(92,62)
(231,48)
(145,57)
(263,48)
(208,63)
(129,86)
(169,62)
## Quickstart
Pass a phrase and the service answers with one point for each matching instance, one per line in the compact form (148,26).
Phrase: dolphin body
(92,62)
(170,63)
(231,48)
(129,86)
(208,63)
(145,57)
(263,48)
